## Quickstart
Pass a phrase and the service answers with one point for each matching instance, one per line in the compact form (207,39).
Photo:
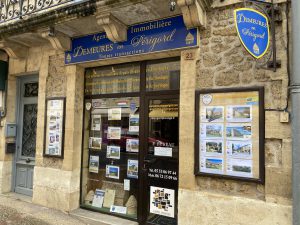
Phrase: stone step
(95,218)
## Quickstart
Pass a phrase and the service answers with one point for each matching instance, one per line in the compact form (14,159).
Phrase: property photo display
(54,129)
(111,148)
(230,133)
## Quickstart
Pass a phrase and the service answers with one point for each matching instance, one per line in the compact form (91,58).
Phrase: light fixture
(172,5)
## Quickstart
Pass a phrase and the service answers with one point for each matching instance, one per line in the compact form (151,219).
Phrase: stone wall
(223,62)
(56,181)
(62,193)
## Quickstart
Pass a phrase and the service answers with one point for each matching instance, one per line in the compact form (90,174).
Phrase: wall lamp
(172,5)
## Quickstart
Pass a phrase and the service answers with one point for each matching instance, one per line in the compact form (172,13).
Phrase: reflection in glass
(163,124)
(113,79)
(162,158)
(162,76)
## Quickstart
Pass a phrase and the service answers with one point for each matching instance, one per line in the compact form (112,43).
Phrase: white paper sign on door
(162,201)
(163,151)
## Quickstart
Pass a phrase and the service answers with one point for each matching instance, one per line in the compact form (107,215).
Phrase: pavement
(18,210)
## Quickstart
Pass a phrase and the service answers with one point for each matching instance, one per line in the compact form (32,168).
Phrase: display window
(111,155)
(230,133)
(131,140)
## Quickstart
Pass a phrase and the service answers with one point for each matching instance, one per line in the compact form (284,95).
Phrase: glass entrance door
(161,160)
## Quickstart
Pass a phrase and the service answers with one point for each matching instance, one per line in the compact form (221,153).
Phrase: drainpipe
(295,97)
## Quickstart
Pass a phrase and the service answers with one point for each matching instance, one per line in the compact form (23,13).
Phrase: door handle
(28,160)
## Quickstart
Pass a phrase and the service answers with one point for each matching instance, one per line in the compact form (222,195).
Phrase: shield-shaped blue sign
(253,30)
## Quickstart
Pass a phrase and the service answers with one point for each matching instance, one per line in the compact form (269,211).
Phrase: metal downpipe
(295,98)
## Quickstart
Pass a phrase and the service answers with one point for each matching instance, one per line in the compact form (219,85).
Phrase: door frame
(144,125)
(19,81)
(143,95)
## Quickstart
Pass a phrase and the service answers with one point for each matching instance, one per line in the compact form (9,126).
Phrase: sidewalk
(18,210)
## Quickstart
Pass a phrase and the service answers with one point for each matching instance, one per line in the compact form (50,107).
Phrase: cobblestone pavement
(16,212)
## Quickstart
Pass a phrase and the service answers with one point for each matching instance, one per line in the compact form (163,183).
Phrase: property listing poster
(162,201)
(229,134)
(54,130)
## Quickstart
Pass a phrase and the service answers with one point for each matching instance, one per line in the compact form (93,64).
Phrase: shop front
(130,157)
(163,118)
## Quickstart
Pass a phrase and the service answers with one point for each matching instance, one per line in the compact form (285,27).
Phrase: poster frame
(62,133)
(261,114)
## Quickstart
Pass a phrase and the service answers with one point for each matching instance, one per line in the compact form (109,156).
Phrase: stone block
(227,31)
(219,48)
(278,182)
(214,209)
(5,176)
(234,59)
(211,60)
(244,66)
(34,59)
(17,66)
(287,153)
(231,187)
(56,193)
(217,39)
(274,129)
(227,78)
(204,78)
(204,41)
(273,152)
(261,75)
(246,77)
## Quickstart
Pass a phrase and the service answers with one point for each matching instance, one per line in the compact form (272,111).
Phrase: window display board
(230,133)
(54,127)
(111,155)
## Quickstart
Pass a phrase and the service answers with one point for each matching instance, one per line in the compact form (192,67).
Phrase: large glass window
(111,155)
(162,75)
(112,151)
(122,78)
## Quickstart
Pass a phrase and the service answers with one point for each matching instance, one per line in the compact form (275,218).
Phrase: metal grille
(29,130)
(31,90)
(13,9)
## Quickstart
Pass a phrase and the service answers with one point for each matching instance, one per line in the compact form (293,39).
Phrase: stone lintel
(194,12)
(116,31)
(58,40)
(14,49)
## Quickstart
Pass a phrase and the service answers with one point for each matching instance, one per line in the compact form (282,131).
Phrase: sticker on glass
(162,201)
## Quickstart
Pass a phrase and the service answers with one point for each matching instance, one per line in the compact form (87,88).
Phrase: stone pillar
(6,160)
(187,178)
(59,186)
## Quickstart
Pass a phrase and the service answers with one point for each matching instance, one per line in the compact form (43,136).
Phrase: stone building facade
(220,61)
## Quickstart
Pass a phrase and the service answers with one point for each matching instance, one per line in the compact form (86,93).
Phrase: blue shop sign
(156,36)
(253,30)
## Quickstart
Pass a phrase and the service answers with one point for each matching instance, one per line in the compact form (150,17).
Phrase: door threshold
(96,218)
(17,196)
